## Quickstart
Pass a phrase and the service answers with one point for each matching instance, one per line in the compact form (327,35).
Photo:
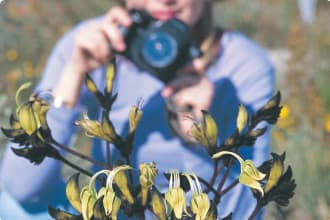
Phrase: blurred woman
(233,70)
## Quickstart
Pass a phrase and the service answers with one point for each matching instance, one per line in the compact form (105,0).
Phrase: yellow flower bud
(200,205)
(87,203)
(206,132)
(72,192)
(158,205)
(275,173)
(148,172)
(28,119)
(121,181)
(91,86)
(135,116)
(242,118)
(110,75)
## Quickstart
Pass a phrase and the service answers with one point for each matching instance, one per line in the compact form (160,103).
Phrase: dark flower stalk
(82,156)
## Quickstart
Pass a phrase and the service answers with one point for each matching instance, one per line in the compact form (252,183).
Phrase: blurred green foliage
(30,28)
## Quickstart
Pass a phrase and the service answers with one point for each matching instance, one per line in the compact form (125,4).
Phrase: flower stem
(208,185)
(223,180)
(232,185)
(255,212)
(75,166)
(217,169)
(82,156)
(109,155)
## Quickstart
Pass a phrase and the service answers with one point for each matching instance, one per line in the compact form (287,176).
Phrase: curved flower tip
(250,175)
(135,116)
(19,96)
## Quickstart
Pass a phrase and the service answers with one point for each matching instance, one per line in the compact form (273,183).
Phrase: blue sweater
(242,73)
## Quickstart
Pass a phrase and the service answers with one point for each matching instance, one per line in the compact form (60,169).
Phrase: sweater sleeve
(24,181)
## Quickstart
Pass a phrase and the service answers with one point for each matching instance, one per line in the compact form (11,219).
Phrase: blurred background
(295,33)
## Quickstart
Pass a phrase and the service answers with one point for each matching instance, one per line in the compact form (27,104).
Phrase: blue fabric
(241,74)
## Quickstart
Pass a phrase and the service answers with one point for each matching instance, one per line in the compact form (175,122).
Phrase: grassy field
(301,52)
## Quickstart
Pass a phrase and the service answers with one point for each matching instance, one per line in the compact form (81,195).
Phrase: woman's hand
(91,46)
(193,92)
(91,49)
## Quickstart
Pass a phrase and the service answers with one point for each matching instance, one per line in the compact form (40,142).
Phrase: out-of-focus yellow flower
(13,75)
(285,112)
(327,122)
(28,69)
(286,118)
(12,54)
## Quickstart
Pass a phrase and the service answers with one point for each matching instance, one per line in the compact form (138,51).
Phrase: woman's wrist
(66,91)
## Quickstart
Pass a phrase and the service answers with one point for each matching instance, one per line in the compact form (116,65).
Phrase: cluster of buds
(268,183)
(29,127)
(91,203)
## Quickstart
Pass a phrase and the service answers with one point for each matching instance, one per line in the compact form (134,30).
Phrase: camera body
(159,47)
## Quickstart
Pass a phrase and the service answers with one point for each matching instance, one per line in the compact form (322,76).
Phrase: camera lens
(159,49)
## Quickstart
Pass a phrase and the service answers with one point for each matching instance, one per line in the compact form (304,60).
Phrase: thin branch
(75,166)
(209,187)
(223,180)
(217,169)
(108,155)
(255,212)
(82,156)
(232,185)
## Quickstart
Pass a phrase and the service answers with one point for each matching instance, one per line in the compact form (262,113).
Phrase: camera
(159,47)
